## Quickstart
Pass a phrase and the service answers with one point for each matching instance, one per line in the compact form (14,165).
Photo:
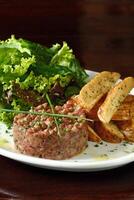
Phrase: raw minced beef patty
(36,135)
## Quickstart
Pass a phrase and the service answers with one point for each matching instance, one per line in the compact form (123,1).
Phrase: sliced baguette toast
(126,109)
(127,128)
(108,132)
(124,112)
(92,135)
(96,88)
(114,99)
(92,114)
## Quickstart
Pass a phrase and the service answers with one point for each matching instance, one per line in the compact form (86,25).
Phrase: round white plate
(96,157)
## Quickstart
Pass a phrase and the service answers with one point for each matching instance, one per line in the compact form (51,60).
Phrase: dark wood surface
(101,33)
(25,182)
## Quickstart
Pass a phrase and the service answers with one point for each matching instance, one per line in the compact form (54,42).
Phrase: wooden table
(101,33)
(25,182)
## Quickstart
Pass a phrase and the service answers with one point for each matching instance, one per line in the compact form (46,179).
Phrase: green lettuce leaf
(37,68)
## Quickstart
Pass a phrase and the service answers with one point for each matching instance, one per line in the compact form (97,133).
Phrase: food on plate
(92,114)
(125,111)
(127,128)
(55,110)
(108,132)
(62,137)
(114,105)
(92,135)
(96,88)
(38,135)
(29,70)
(114,99)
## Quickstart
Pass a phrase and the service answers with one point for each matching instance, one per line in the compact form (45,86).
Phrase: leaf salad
(29,71)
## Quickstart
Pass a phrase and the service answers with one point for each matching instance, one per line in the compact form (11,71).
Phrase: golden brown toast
(108,132)
(126,109)
(92,135)
(127,128)
(92,92)
(114,99)
(92,114)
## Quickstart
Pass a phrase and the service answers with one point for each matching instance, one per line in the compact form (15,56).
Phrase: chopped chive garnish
(52,109)
(45,114)
(96,145)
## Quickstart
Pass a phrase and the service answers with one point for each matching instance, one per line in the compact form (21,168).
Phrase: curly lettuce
(28,70)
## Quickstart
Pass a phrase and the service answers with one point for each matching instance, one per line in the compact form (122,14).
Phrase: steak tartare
(37,135)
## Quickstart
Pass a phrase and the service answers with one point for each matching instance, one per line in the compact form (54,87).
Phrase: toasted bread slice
(126,109)
(108,132)
(132,110)
(92,114)
(127,128)
(114,99)
(96,88)
(92,135)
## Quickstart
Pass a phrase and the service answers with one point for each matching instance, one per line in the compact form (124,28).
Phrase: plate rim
(68,164)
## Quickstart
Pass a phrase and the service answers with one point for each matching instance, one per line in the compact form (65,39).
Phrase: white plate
(95,158)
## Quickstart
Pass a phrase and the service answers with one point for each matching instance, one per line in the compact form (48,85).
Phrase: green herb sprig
(44,113)
(52,109)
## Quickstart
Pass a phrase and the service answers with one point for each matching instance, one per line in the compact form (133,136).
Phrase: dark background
(101,32)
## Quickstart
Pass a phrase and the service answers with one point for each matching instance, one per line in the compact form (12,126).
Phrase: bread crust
(93,136)
(127,128)
(114,99)
(108,132)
